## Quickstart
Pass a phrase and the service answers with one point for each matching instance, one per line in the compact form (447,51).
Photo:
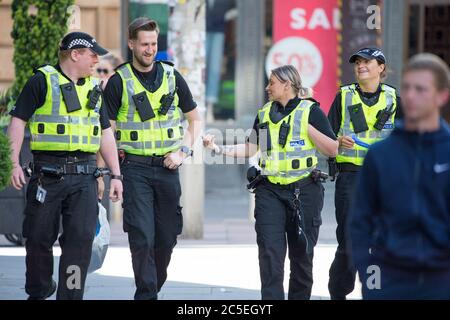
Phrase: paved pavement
(223,265)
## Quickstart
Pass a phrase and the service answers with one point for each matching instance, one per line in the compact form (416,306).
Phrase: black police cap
(77,40)
(369,54)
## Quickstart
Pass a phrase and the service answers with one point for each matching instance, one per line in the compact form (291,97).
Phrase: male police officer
(145,99)
(63,109)
(402,201)
(362,114)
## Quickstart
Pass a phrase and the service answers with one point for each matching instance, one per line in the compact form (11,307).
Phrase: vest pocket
(265,143)
(170,133)
(60,129)
(134,136)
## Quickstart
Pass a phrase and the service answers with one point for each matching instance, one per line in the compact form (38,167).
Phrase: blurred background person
(401,211)
(215,41)
(106,67)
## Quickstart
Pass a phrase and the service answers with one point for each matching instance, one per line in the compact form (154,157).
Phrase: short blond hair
(63,55)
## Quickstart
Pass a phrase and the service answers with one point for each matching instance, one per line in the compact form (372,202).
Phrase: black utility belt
(294,185)
(153,161)
(49,169)
(348,167)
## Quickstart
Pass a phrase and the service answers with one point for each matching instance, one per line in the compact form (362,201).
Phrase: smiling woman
(369,73)
(362,113)
(288,131)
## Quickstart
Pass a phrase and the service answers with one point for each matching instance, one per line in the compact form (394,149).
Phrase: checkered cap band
(83,42)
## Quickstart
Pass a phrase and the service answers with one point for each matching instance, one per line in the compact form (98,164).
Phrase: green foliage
(38,27)
(5,161)
(6,103)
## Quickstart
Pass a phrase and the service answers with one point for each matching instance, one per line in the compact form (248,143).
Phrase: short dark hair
(141,24)
(431,62)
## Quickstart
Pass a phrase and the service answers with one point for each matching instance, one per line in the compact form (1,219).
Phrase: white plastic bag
(101,240)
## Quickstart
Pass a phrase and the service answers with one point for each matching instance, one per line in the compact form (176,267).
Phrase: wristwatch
(187,151)
(116,176)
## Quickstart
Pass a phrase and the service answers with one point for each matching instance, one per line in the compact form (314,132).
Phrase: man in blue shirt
(400,220)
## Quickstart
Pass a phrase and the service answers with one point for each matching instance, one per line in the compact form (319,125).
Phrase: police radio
(94,95)
(283,133)
(382,117)
(166,102)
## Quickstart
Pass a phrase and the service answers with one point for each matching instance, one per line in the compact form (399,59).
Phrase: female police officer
(362,113)
(287,131)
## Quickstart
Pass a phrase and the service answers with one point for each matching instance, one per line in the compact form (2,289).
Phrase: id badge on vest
(358,118)
(143,106)
(70,97)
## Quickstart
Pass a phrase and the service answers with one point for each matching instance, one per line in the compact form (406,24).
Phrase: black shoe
(49,294)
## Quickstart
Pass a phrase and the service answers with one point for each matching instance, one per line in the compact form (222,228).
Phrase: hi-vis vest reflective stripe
(54,129)
(350,96)
(294,161)
(156,136)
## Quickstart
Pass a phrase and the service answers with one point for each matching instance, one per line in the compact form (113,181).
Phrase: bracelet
(115,176)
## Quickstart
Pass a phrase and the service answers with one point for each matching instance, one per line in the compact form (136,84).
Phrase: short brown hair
(431,62)
(141,24)
(384,73)
(63,55)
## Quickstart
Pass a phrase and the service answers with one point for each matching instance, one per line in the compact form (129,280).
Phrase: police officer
(68,125)
(362,113)
(288,131)
(146,99)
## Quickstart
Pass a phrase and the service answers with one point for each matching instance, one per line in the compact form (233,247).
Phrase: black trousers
(276,232)
(152,218)
(342,272)
(75,198)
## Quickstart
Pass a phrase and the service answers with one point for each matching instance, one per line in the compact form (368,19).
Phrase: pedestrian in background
(400,221)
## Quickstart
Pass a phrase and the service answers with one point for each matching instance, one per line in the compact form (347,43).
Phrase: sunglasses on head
(100,70)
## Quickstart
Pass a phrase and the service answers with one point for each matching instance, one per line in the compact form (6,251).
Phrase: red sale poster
(305,34)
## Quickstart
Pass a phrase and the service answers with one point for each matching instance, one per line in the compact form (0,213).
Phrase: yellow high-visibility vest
(153,137)
(297,158)
(54,129)
(350,96)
